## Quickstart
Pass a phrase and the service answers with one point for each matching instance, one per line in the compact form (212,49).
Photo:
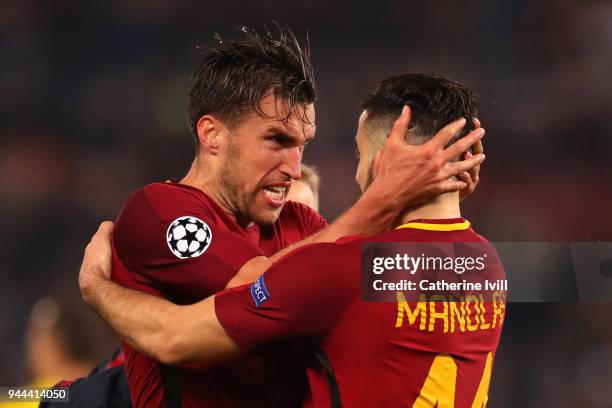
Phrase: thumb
(400,127)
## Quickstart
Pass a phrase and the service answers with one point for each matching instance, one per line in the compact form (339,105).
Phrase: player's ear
(211,132)
(377,161)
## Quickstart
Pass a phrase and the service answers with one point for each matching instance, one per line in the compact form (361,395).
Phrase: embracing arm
(152,325)
(225,325)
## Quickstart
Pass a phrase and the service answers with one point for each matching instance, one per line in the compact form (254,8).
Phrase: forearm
(144,321)
(374,212)
(201,339)
(167,332)
(164,331)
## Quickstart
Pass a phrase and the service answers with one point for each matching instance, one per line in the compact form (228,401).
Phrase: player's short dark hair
(233,77)
(435,101)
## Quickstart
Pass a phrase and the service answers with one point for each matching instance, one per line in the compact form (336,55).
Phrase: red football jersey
(173,241)
(383,354)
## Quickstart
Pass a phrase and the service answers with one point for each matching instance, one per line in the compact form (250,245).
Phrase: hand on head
(417,173)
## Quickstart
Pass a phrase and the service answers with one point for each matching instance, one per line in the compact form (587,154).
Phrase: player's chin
(266,215)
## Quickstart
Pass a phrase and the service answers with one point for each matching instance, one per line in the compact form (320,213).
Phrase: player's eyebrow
(283,133)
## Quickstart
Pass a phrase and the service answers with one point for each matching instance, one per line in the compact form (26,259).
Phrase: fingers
(455,168)
(445,134)
(400,127)
(472,182)
(452,185)
(477,148)
(104,230)
(463,144)
(465,177)
(474,171)
(102,235)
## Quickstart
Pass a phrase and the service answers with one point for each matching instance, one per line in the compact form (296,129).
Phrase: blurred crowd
(92,106)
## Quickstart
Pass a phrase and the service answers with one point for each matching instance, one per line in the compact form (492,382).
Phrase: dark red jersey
(173,241)
(382,354)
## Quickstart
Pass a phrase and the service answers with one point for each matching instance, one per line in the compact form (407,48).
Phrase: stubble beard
(237,199)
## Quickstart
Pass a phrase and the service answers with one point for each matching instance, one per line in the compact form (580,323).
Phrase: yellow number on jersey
(439,387)
(482,395)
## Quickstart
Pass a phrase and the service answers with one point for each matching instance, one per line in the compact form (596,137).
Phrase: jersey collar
(451,224)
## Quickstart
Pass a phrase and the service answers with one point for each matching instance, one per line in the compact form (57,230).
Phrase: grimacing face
(263,159)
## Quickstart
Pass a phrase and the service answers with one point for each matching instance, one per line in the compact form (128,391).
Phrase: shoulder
(171,200)
(329,261)
(303,217)
(165,202)
(295,209)
(321,275)
(487,247)
(477,237)
(150,211)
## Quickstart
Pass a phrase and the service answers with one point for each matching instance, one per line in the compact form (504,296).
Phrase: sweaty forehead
(300,123)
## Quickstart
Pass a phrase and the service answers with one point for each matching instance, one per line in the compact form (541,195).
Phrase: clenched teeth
(275,192)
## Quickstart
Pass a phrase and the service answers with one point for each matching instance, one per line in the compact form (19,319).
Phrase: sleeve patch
(259,291)
(188,237)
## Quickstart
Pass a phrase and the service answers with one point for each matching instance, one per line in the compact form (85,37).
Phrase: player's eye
(280,140)
(357,152)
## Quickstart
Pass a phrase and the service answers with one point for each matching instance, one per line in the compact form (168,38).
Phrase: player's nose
(291,164)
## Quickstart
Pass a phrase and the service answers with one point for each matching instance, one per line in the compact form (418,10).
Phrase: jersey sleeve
(171,243)
(306,303)
(311,221)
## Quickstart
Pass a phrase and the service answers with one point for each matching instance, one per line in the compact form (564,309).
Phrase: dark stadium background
(92,98)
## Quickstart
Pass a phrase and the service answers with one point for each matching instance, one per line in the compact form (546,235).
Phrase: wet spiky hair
(235,76)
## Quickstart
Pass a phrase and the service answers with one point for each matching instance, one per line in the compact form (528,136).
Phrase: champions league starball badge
(188,237)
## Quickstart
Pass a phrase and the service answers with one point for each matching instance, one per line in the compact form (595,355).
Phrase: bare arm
(407,175)
(152,325)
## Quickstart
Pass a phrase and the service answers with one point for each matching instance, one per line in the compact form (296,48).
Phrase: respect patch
(259,291)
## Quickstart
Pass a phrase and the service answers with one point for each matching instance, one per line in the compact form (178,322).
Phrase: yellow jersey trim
(458,226)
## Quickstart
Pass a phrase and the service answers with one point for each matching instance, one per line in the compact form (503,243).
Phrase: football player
(375,355)
(251,112)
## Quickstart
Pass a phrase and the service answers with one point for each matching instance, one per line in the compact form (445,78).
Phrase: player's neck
(202,177)
(440,207)
(199,177)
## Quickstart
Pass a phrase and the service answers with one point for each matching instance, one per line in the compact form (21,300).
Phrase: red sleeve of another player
(148,254)
(313,219)
(310,220)
(306,303)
